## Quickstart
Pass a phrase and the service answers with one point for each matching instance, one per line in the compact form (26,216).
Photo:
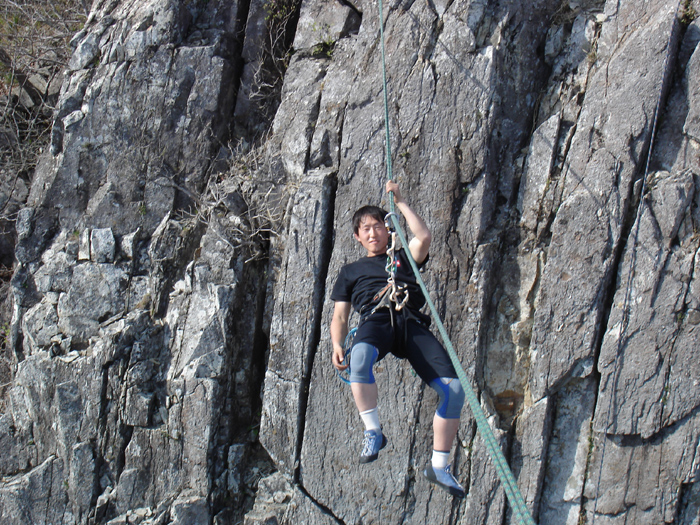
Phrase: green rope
(515,498)
(387,138)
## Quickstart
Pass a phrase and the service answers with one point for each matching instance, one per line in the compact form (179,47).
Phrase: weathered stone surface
(129,243)
(531,442)
(57,271)
(691,127)
(323,24)
(486,501)
(327,133)
(294,122)
(152,462)
(81,471)
(97,293)
(58,394)
(40,326)
(691,502)
(612,131)
(138,408)
(567,454)
(296,307)
(84,245)
(538,170)
(102,245)
(38,496)
(655,367)
(278,501)
(637,481)
(17,453)
(192,510)
(333,437)
(137,50)
(519,131)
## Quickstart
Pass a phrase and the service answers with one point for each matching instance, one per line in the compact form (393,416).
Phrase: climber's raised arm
(420,243)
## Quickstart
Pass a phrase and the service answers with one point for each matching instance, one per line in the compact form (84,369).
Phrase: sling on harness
(347,347)
(394,296)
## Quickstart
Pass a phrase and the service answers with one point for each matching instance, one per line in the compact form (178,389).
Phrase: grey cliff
(175,255)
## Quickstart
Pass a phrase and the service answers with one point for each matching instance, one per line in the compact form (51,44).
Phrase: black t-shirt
(359,282)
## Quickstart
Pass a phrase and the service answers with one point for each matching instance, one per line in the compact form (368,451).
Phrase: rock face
(171,296)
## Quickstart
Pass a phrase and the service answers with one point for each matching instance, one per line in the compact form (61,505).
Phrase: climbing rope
(624,321)
(515,498)
(387,138)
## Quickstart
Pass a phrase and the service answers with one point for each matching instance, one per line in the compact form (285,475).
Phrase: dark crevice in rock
(260,345)
(96,474)
(490,287)
(589,458)
(567,130)
(688,506)
(319,294)
(411,477)
(461,190)
(658,282)
(234,55)
(468,459)
(248,341)
(634,198)
(274,58)
(353,7)
(249,347)
(325,510)
(174,268)
(125,433)
(616,280)
(102,424)
(405,5)
(341,124)
(313,119)
(636,440)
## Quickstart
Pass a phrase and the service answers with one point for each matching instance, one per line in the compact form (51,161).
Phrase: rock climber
(386,327)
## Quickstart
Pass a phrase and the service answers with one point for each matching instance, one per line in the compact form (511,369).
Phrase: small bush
(281,17)
(34,48)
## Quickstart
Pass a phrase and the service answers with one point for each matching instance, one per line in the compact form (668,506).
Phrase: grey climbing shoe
(445,479)
(372,443)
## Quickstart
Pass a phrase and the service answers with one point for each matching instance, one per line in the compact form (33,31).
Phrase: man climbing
(388,325)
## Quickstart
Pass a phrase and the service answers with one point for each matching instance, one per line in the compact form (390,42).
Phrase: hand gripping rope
(520,512)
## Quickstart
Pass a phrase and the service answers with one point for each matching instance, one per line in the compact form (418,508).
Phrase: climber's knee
(362,359)
(451,397)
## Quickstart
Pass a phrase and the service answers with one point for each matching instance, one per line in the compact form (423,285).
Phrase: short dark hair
(367,211)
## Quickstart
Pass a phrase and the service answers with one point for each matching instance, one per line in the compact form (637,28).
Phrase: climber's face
(373,236)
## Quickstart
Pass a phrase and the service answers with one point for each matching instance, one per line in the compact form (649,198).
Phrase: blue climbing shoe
(445,479)
(373,442)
